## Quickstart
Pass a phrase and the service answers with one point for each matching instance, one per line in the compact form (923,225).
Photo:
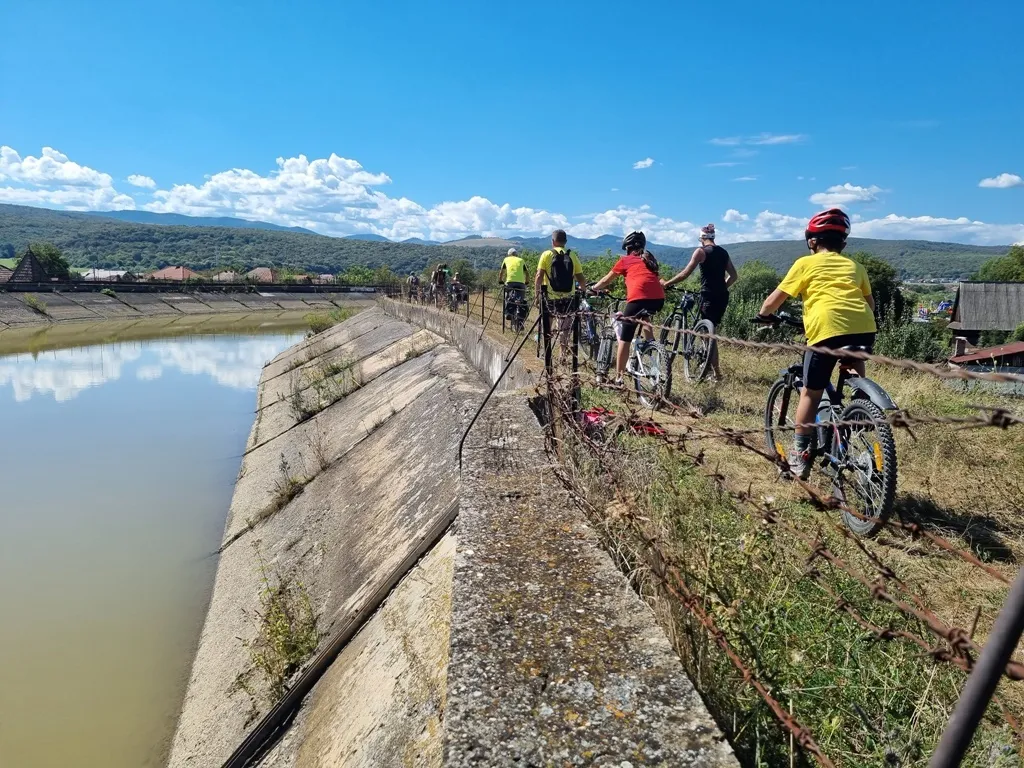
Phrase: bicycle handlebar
(779,318)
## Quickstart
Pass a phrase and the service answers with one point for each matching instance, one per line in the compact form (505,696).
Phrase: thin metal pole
(575,353)
(545,316)
(984,678)
(483,300)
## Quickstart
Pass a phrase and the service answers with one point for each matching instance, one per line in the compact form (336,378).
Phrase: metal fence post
(575,353)
(483,301)
(984,678)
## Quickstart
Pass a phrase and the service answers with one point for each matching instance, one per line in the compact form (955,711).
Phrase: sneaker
(618,382)
(800,463)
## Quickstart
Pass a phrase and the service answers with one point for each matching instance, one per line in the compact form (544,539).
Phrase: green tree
(52,259)
(885,286)
(1008,268)
(1018,333)
(7,250)
(466,272)
(756,281)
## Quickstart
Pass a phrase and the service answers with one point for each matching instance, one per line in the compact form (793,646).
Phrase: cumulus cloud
(137,180)
(337,196)
(844,194)
(54,179)
(647,162)
(1002,181)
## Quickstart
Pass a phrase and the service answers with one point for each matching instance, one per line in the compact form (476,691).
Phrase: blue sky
(455,118)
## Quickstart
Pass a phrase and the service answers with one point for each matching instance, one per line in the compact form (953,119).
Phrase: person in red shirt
(643,292)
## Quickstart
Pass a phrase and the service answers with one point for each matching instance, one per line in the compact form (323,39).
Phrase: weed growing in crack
(287,635)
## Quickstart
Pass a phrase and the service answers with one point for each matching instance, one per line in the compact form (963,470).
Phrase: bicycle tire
(674,321)
(779,411)
(650,387)
(881,461)
(695,364)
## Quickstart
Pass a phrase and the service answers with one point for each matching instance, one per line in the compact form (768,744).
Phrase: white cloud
(647,162)
(770,139)
(137,180)
(54,179)
(761,139)
(615,189)
(745,178)
(960,230)
(844,194)
(732,216)
(1002,181)
(728,164)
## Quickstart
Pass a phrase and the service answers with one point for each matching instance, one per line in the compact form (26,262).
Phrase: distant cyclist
(644,293)
(717,274)
(838,312)
(557,270)
(438,282)
(514,275)
(413,282)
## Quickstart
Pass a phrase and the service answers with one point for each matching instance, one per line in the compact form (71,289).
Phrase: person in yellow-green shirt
(557,270)
(514,276)
(839,311)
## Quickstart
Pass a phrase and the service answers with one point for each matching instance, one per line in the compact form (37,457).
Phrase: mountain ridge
(90,239)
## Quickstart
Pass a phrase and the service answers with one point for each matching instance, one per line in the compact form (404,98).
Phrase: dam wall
(480,621)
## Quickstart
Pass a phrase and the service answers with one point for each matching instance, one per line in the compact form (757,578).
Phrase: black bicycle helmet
(633,242)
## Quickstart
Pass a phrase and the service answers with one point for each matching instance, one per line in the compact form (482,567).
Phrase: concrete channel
(506,638)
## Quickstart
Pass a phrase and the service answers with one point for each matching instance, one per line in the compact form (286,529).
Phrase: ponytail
(650,261)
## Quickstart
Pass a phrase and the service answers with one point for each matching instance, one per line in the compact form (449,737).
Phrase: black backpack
(562,272)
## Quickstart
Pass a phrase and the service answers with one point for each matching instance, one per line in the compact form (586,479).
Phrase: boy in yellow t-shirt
(838,312)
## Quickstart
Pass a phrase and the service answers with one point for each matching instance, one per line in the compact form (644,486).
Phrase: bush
(34,302)
(1018,333)
(924,342)
(109,292)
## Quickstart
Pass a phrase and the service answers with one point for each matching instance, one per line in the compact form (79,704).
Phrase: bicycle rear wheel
(696,362)
(779,414)
(865,480)
(649,377)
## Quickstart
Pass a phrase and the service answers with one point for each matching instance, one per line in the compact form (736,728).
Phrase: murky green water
(117,463)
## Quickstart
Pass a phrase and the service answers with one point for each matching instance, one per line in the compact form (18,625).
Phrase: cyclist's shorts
(818,367)
(627,329)
(713,308)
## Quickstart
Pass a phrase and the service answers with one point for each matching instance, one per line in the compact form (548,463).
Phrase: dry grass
(867,702)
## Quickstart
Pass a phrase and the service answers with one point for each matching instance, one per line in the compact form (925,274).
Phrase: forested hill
(89,239)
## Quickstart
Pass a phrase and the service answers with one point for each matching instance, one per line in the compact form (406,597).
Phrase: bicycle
(862,466)
(514,308)
(697,350)
(646,362)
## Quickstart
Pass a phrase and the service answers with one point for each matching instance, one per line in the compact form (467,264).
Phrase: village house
(174,273)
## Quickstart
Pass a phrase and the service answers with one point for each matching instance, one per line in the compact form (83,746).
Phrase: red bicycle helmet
(832,220)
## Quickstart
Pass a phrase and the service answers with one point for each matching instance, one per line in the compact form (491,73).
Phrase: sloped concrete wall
(391,472)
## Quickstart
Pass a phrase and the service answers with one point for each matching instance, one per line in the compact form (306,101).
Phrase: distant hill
(418,241)
(103,242)
(370,238)
(180,219)
(91,240)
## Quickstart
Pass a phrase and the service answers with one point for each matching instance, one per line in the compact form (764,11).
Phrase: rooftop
(984,306)
(1003,350)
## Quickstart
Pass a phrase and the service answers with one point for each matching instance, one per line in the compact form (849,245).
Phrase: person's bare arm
(537,283)
(870,299)
(775,300)
(581,281)
(605,281)
(501,274)
(731,276)
(695,260)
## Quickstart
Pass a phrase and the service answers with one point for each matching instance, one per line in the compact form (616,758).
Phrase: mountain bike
(646,364)
(514,308)
(697,351)
(855,446)
(592,307)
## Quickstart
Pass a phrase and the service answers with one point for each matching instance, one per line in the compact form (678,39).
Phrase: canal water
(117,463)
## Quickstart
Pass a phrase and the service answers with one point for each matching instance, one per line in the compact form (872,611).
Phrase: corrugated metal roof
(1003,350)
(988,306)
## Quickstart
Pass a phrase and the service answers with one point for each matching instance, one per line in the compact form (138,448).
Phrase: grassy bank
(867,701)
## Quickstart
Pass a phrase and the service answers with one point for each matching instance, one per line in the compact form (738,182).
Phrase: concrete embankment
(19,310)
(514,640)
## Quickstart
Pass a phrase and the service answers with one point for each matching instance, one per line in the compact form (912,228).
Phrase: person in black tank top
(717,274)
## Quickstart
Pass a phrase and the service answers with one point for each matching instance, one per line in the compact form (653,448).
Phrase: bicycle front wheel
(674,322)
(700,350)
(649,376)
(779,417)
(865,479)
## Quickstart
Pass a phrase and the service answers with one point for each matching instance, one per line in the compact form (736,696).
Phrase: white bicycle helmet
(512,252)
